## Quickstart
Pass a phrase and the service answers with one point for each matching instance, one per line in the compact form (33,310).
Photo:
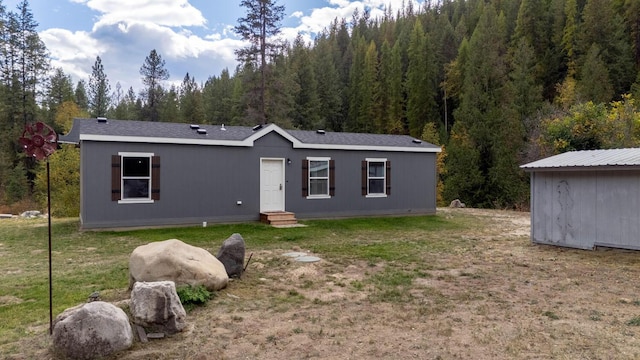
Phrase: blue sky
(194,36)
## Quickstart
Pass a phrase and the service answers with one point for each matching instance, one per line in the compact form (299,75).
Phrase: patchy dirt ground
(506,299)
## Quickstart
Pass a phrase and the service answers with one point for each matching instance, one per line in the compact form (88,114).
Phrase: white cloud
(125,31)
(174,13)
(72,51)
(321,18)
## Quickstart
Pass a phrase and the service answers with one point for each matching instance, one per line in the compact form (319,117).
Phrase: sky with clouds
(194,36)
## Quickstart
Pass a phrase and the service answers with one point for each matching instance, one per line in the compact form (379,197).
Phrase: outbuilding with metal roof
(139,173)
(585,199)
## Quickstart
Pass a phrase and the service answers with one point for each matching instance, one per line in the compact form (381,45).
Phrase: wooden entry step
(276,218)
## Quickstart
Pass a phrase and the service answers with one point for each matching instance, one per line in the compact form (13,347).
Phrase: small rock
(457,204)
(231,255)
(156,305)
(142,335)
(30,214)
(95,296)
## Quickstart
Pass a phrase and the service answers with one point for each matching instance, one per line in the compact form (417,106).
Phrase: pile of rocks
(30,214)
(98,329)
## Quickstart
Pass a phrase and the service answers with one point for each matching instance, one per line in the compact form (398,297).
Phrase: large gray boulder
(231,254)
(156,306)
(92,330)
(173,260)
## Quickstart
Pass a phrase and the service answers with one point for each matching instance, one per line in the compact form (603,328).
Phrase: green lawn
(87,261)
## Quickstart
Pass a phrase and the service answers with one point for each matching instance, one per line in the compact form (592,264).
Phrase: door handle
(280,186)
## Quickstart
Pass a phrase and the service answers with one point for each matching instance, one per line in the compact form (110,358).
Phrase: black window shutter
(332,178)
(305,177)
(364,178)
(388,178)
(115,178)
(155,177)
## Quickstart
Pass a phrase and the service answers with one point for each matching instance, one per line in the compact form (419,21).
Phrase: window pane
(318,168)
(135,188)
(135,166)
(376,186)
(376,169)
(318,187)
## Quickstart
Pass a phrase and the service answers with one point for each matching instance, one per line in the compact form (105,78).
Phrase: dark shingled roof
(109,130)
(343,138)
(150,129)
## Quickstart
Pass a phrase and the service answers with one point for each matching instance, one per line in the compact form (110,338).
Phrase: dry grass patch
(467,284)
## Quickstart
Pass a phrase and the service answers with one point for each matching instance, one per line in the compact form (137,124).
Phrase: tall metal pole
(50,282)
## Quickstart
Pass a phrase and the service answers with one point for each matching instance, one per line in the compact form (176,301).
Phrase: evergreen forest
(496,83)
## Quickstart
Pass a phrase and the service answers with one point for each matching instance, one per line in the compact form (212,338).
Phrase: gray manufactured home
(138,173)
(585,199)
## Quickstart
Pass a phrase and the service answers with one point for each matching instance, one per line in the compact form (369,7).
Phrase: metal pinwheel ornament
(39,140)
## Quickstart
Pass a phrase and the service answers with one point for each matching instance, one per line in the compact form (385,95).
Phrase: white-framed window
(135,177)
(319,175)
(375,177)
(318,178)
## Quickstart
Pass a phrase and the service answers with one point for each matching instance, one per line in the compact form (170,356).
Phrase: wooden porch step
(276,218)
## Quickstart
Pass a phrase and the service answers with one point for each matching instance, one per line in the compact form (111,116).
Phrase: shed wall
(203,183)
(586,208)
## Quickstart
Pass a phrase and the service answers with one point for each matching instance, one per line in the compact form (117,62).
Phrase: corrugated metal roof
(588,158)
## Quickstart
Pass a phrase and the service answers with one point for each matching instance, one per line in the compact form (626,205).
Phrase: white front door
(271,185)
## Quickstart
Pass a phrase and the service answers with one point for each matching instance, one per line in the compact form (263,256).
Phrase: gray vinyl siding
(203,183)
(584,209)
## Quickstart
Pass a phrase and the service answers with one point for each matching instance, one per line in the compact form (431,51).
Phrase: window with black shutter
(135,177)
(318,177)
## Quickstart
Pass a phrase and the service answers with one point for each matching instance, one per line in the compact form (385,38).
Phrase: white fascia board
(160,140)
(273,128)
(367,147)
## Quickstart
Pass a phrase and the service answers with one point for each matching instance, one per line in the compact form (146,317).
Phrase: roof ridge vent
(202,131)
(194,126)
(257,127)
(321,131)
(102,119)
(417,141)
(222,128)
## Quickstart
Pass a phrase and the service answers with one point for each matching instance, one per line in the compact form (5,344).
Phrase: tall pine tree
(420,84)
(259,26)
(487,136)
(153,72)
(98,91)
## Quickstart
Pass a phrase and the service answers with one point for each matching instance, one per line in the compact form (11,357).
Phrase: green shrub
(191,296)
(635,321)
